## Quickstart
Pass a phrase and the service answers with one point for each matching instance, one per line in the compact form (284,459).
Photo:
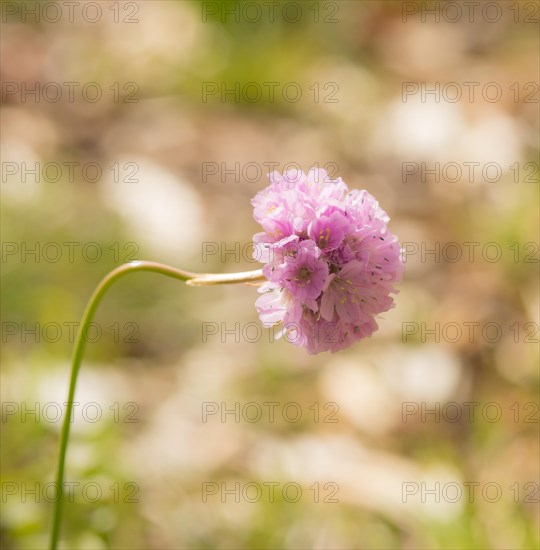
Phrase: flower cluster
(329,258)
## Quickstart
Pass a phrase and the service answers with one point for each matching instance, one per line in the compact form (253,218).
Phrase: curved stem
(208,279)
(195,279)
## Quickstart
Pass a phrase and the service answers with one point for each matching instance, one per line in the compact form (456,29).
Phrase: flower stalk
(192,279)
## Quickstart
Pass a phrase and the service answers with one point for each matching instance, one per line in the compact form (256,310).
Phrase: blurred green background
(162,193)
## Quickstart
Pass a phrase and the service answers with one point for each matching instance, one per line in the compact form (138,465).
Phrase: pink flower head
(329,258)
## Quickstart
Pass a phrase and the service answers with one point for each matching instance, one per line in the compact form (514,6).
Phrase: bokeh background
(151,372)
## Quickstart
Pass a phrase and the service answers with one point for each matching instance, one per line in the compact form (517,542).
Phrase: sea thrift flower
(329,258)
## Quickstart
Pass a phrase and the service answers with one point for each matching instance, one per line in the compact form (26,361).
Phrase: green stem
(194,279)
